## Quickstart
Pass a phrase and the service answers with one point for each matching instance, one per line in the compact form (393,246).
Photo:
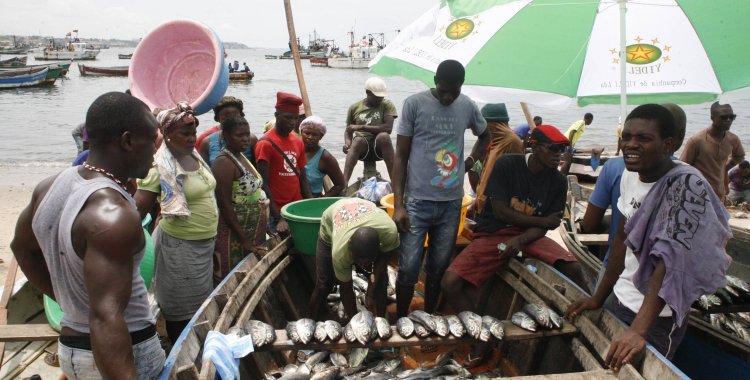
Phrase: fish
(455,326)
(472,323)
(387,366)
(357,356)
(441,325)
(420,330)
(539,313)
(333,330)
(316,358)
(349,371)
(732,291)
(738,283)
(304,369)
(333,297)
(339,360)
(289,368)
(484,332)
(493,326)
(523,321)
(392,276)
(557,320)
(742,330)
(405,327)
(349,334)
(362,326)
(725,298)
(329,373)
(261,332)
(707,301)
(295,376)
(305,330)
(291,332)
(383,328)
(743,316)
(377,376)
(319,367)
(320,332)
(359,283)
(424,319)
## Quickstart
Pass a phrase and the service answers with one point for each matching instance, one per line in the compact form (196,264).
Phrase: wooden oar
(295,55)
(10,280)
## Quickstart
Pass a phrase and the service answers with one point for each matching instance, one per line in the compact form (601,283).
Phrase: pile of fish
(535,315)
(304,330)
(316,367)
(422,325)
(737,324)
(359,283)
(262,333)
(736,291)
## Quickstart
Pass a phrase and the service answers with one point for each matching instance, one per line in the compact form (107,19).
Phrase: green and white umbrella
(555,52)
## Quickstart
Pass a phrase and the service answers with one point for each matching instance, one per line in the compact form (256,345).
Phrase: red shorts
(477,262)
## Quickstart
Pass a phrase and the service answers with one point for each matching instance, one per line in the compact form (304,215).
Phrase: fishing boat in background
(23,77)
(14,62)
(125,56)
(73,49)
(271,56)
(241,75)
(361,53)
(16,48)
(118,71)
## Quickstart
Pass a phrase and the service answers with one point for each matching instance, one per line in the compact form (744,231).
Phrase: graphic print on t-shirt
(525,207)
(351,212)
(364,119)
(292,156)
(687,197)
(447,167)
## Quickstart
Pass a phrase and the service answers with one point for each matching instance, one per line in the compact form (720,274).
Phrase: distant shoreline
(35,40)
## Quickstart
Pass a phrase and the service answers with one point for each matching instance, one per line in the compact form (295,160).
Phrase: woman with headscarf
(209,143)
(320,162)
(243,205)
(184,240)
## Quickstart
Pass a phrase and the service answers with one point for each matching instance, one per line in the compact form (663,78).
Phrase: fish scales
(494,326)
(320,332)
(523,321)
(441,325)
(472,323)
(305,330)
(455,326)
(539,313)
(405,327)
(291,332)
(383,328)
(333,330)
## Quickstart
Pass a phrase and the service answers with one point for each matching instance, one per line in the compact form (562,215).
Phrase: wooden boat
(71,51)
(706,352)
(125,56)
(271,56)
(319,61)
(242,75)
(14,62)
(23,77)
(118,71)
(275,289)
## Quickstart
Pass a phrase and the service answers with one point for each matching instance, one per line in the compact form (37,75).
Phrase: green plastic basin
(303,218)
(52,310)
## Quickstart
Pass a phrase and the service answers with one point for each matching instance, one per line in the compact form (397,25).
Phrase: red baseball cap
(548,134)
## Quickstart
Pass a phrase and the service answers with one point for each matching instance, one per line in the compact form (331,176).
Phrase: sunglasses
(554,148)
(728,117)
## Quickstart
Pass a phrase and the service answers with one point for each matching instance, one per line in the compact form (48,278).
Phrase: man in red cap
(281,160)
(525,198)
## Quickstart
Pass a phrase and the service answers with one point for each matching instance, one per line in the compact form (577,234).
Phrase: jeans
(79,364)
(739,195)
(438,218)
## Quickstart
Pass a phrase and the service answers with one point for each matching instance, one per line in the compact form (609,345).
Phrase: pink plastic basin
(179,60)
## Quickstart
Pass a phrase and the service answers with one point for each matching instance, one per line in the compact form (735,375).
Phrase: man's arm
(592,219)
(376,296)
(26,248)
(263,171)
(112,233)
(403,151)
(502,211)
(480,146)
(689,153)
(144,201)
(386,127)
(631,342)
(514,245)
(333,171)
(348,299)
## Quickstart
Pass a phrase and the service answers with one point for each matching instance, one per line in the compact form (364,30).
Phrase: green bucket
(52,310)
(303,218)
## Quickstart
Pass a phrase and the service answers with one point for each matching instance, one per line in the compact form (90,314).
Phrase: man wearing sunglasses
(354,235)
(715,150)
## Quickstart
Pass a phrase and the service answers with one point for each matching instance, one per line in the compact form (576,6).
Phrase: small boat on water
(14,62)
(360,54)
(23,77)
(125,56)
(242,75)
(119,71)
(73,49)
(271,56)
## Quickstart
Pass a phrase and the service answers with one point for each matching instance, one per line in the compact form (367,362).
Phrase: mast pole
(295,54)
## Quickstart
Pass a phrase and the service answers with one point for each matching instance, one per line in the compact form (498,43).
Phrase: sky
(254,23)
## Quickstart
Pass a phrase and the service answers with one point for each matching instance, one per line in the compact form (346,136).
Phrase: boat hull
(66,55)
(25,77)
(349,63)
(241,76)
(117,71)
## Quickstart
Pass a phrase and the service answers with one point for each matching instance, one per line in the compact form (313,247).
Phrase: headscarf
(313,122)
(169,118)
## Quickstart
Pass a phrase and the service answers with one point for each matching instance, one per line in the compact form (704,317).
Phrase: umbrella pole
(623,61)
(527,114)
(295,55)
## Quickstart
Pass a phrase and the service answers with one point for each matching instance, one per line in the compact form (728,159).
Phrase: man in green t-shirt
(368,128)
(354,235)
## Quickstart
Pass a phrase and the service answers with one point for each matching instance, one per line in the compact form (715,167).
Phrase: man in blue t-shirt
(523,130)
(428,177)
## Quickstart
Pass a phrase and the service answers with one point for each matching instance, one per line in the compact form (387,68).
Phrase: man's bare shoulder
(107,213)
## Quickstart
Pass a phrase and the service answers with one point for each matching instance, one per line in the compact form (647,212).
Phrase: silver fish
(742,331)
(557,320)
(304,369)
(295,376)
(484,333)
(329,373)
(387,366)
(523,321)
(320,332)
(738,283)
(362,326)
(357,356)
(349,334)
(333,330)
(359,283)
(305,330)
(291,332)
(424,319)
(392,275)
(339,360)
(262,332)
(316,358)
(441,325)
(472,323)
(744,317)
(383,328)
(420,330)
(707,301)
(539,313)
(494,326)
(377,376)
(349,371)
(455,326)
(319,367)
(333,297)
(289,368)
(732,291)
(405,327)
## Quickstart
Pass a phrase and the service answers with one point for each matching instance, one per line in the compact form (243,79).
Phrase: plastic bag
(373,190)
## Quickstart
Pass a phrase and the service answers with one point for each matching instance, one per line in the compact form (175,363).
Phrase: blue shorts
(438,218)
(78,363)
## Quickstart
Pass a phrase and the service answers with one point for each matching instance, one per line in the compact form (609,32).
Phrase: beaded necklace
(111,176)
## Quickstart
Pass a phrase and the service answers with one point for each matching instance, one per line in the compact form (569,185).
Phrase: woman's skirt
(253,218)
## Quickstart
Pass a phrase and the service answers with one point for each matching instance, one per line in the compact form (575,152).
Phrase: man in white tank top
(80,242)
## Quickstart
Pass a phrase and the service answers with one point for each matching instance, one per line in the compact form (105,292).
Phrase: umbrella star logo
(459,29)
(643,53)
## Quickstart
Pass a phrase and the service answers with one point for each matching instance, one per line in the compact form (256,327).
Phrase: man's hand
(351,128)
(552,221)
(577,308)
(347,145)
(512,247)
(623,349)
(282,227)
(401,218)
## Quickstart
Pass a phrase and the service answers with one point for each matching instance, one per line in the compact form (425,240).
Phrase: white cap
(376,86)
